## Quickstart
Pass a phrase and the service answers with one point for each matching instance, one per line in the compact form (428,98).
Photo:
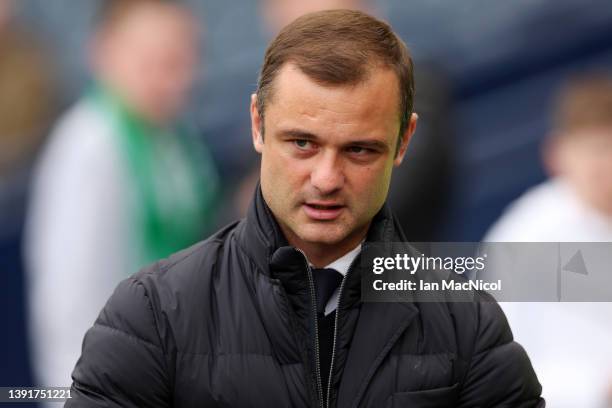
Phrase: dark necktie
(326,281)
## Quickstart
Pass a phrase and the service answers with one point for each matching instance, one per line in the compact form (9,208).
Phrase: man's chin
(323,234)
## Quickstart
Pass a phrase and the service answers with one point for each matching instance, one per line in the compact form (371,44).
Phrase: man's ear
(256,125)
(405,140)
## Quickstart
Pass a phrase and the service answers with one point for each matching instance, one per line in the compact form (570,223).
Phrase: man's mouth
(323,211)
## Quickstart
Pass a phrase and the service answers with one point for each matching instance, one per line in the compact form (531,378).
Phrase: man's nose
(328,174)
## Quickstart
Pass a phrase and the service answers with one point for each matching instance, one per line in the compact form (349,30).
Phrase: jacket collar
(260,235)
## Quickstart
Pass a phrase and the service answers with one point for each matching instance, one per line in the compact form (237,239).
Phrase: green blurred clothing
(110,193)
(174,180)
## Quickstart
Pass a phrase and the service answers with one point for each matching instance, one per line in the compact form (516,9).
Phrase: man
(574,205)
(117,187)
(248,318)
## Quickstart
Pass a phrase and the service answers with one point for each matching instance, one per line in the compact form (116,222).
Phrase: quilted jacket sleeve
(500,372)
(122,362)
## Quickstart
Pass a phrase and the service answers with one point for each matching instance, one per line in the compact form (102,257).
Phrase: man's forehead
(376,97)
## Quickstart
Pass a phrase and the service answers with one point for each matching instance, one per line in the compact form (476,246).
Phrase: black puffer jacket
(229,323)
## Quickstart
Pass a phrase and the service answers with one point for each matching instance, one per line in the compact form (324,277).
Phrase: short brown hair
(584,102)
(339,47)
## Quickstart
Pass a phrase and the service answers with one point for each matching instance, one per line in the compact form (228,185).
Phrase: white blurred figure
(569,343)
(116,187)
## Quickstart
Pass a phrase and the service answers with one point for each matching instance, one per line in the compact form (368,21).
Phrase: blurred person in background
(118,186)
(421,190)
(25,112)
(574,205)
(26,109)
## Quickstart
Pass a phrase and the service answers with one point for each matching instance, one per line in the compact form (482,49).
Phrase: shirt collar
(343,263)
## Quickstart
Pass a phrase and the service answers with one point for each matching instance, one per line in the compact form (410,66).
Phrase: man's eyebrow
(298,134)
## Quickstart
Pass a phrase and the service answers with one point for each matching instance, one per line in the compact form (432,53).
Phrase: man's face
(149,57)
(584,159)
(328,154)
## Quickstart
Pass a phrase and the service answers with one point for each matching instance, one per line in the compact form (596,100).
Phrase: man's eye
(302,144)
(358,150)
